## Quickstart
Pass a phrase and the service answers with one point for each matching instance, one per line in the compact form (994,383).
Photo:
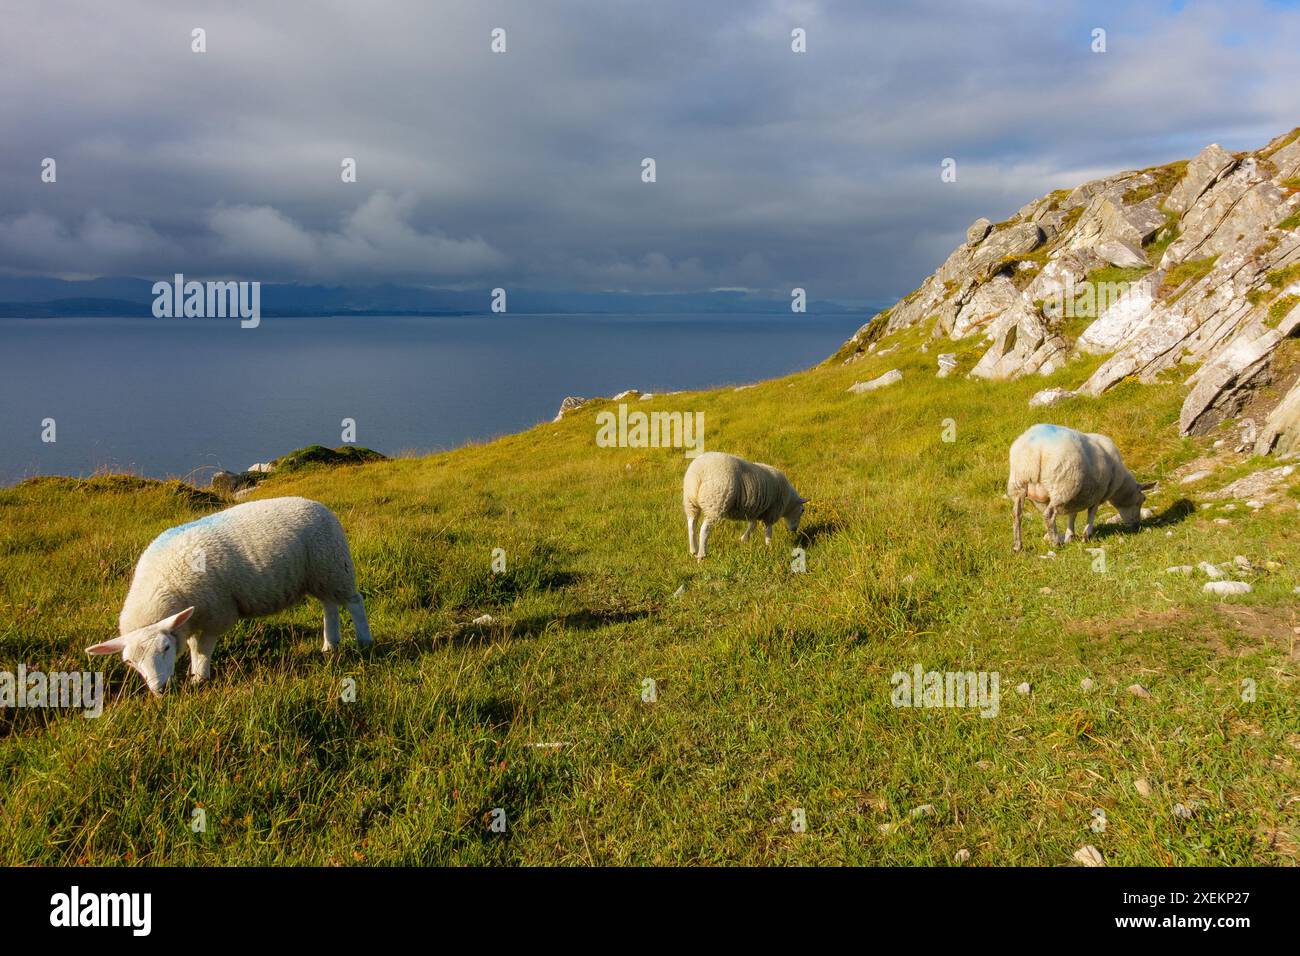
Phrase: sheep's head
(795,513)
(151,649)
(1130,508)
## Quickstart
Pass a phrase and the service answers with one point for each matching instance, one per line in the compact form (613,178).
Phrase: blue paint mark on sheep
(1048,432)
(206,521)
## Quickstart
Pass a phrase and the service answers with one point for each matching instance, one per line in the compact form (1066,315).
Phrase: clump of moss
(1185,274)
(1274,283)
(320,455)
(1280,309)
(1164,179)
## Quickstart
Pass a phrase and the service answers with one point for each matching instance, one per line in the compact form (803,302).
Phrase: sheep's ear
(1147,485)
(176,620)
(115,646)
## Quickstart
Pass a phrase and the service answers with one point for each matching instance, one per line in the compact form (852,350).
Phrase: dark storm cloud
(774,169)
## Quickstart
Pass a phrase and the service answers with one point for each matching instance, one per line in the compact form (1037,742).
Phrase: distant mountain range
(40,297)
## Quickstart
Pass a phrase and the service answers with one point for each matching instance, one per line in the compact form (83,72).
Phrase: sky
(774,169)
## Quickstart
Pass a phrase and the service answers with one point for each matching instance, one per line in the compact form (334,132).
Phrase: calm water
(173,397)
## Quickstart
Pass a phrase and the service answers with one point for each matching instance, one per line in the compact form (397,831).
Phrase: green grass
(1184,275)
(773,688)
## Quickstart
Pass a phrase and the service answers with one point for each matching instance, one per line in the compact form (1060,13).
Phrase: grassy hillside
(773,687)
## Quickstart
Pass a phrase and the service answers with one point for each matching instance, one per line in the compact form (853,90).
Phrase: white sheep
(196,580)
(1066,471)
(724,486)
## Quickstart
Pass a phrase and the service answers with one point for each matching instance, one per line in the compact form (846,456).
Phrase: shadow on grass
(814,531)
(1179,511)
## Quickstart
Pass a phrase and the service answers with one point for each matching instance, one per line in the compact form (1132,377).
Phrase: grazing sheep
(1065,471)
(724,486)
(196,580)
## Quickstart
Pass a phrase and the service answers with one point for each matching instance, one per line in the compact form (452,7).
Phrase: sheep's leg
(690,530)
(1069,526)
(1053,536)
(357,611)
(767,533)
(331,627)
(1092,518)
(705,527)
(201,646)
(1017,511)
(749,528)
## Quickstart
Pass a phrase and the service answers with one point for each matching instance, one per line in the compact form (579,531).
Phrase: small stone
(1044,590)
(1183,569)
(1182,812)
(985,765)
(647,396)
(1256,505)
(1243,562)
(887,828)
(924,810)
(1049,554)
(1089,856)
(1137,690)
(889,378)
(681,589)
(1194,477)
(1050,396)
(1086,684)
(1230,507)
(1211,571)
(962,855)
(1226,588)
(482,619)
(1222,521)
(1142,787)
(1023,688)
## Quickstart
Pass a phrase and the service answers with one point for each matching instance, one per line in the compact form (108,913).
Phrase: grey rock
(1050,396)
(232,482)
(1226,588)
(1210,165)
(1089,855)
(889,378)
(1022,343)
(978,230)
(1016,240)
(569,404)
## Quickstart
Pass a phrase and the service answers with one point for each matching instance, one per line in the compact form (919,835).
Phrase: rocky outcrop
(1204,261)
(1022,343)
(570,403)
(1281,432)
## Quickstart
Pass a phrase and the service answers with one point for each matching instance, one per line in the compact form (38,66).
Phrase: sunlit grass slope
(773,687)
